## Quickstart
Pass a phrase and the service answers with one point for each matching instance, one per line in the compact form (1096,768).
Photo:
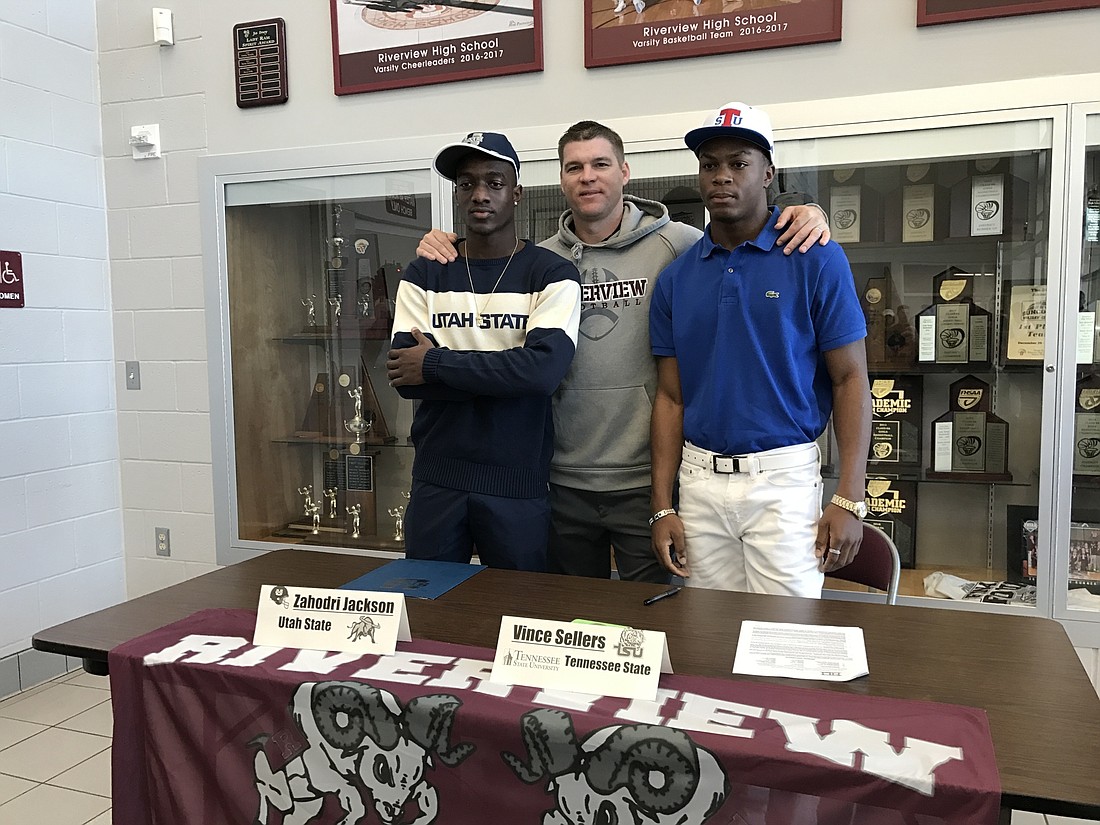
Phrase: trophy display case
(948,240)
(1078,572)
(321,450)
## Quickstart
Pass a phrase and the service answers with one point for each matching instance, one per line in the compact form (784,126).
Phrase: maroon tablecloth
(212,729)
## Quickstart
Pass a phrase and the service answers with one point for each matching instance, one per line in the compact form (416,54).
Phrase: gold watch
(856,508)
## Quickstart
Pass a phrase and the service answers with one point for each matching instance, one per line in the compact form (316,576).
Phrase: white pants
(754,531)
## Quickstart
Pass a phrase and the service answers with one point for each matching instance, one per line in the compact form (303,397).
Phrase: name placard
(318,619)
(586,658)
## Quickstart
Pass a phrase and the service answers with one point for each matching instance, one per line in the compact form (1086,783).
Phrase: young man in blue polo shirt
(755,351)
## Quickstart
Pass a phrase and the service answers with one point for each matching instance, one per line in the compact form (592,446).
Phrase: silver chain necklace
(473,292)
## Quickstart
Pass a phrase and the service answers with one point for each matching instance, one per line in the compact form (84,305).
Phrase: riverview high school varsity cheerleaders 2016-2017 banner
(391,44)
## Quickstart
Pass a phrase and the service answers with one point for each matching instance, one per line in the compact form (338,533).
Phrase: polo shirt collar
(764,241)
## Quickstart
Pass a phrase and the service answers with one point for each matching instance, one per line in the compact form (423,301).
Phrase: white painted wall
(60,520)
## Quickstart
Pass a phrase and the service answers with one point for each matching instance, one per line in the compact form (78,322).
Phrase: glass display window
(947,232)
(321,450)
(1077,568)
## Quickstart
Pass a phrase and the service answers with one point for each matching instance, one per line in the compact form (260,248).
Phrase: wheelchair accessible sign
(11,280)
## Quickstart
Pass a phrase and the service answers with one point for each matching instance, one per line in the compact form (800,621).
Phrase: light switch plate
(133,375)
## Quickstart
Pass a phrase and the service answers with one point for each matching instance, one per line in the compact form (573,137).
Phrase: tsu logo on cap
(493,144)
(738,120)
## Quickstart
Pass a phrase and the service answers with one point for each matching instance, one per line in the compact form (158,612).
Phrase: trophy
(337,259)
(891,340)
(398,514)
(896,421)
(1086,427)
(336,303)
(953,330)
(311,307)
(969,439)
(353,511)
(314,511)
(358,425)
(365,304)
(892,507)
(307,493)
(330,494)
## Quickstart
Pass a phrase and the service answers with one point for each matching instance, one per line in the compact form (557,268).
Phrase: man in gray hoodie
(600,471)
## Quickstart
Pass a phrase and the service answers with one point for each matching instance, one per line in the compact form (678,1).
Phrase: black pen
(660,596)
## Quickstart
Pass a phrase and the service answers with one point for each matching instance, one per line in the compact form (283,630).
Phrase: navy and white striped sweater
(484,422)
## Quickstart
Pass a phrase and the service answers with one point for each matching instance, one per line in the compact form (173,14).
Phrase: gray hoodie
(602,408)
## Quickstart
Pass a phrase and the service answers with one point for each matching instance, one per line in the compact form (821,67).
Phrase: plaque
(845,213)
(892,507)
(359,471)
(1027,322)
(1086,427)
(918,213)
(334,474)
(952,345)
(987,203)
(969,439)
(896,429)
(260,56)
(953,330)
(990,202)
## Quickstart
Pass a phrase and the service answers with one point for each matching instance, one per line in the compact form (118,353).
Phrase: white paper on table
(801,651)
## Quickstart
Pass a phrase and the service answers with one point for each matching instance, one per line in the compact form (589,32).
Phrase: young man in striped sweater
(483,342)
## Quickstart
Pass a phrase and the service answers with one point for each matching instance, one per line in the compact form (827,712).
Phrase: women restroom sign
(11,279)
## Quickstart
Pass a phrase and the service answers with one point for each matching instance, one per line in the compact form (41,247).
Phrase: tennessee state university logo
(728,117)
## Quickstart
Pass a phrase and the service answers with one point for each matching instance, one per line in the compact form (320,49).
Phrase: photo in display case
(1084,547)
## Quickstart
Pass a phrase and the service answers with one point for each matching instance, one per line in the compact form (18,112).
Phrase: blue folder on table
(416,578)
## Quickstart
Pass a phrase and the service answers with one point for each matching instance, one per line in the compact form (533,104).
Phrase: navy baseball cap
(493,144)
(736,120)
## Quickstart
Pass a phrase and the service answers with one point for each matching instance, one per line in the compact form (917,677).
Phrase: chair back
(877,564)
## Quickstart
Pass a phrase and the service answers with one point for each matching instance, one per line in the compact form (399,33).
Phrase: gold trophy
(357,426)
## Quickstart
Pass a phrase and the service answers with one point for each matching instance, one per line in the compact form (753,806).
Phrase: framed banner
(931,12)
(640,31)
(394,44)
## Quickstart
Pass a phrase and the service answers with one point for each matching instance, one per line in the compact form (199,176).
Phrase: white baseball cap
(738,120)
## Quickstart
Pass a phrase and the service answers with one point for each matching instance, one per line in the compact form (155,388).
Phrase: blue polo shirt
(749,329)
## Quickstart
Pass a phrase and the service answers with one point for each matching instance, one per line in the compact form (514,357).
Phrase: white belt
(783,458)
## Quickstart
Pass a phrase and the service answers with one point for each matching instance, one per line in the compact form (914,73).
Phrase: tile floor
(55,755)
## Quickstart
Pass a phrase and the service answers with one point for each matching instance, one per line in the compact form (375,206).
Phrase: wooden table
(1044,714)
